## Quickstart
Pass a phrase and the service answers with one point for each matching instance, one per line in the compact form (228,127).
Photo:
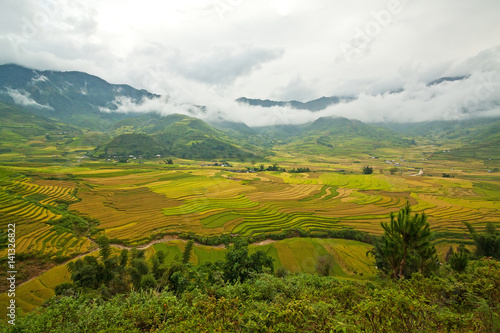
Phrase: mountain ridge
(76,100)
(313,105)
(73,97)
(324,102)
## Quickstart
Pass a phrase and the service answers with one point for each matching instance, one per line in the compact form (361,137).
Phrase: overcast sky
(214,51)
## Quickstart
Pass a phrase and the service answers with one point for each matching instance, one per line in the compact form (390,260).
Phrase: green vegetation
(299,170)
(367,170)
(406,238)
(488,242)
(110,275)
(304,302)
(459,260)
(239,266)
(187,252)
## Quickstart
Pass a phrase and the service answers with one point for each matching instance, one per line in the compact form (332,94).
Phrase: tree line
(108,275)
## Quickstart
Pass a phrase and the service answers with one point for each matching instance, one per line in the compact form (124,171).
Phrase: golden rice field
(35,292)
(133,204)
(27,203)
(132,207)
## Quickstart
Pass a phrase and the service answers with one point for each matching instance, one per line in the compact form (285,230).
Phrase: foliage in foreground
(110,275)
(488,242)
(266,303)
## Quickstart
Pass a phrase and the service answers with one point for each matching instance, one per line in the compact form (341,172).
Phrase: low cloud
(475,96)
(23,98)
(161,105)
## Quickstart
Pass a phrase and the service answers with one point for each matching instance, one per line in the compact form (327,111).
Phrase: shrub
(367,170)
(459,260)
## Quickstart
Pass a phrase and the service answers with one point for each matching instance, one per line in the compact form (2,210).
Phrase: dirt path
(264,242)
(145,246)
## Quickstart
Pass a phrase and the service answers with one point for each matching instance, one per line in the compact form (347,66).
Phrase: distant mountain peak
(447,79)
(314,105)
(324,102)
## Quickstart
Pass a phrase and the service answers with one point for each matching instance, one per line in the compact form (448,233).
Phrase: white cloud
(298,89)
(23,98)
(221,65)
(476,96)
(162,105)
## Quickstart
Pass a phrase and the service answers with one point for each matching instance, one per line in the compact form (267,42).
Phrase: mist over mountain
(73,97)
(314,105)
(85,100)
(325,102)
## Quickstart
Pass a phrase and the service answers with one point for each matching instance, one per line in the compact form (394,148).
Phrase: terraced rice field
(211,201)
(133,206)
(28,205)
(35,292)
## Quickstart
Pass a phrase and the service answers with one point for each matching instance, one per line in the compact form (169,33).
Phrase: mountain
(24,135)
(174,135)
(329,136)
(468,131)
(460,139)
(253,139)
(339,127)
(73,97)
(26,124)
(324,102)
(314,105)
(133,144)
(236,128)
(447,79)
(69,112)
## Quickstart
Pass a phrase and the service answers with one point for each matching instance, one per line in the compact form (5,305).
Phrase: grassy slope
(174,135)
(27,137)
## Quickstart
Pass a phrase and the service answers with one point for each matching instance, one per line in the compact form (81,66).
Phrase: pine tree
(104,248)
(488,242)
(186,255)
(449,254)
(459,260)
(367,170)
(405,233)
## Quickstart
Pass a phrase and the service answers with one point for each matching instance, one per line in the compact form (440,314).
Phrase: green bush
(296,303)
